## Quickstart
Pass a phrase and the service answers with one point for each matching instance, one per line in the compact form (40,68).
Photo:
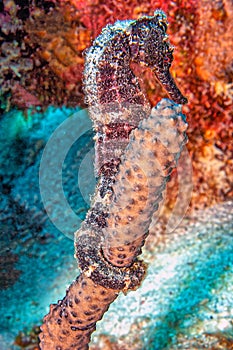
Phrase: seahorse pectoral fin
(168,83)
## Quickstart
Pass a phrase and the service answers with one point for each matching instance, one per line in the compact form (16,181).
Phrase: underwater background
(186,299)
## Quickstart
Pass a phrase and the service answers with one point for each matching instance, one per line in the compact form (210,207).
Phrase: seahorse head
(149,46)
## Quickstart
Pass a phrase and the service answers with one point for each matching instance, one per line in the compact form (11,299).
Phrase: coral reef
(28,340)
(213,341)
(60,45)
(8,274)
(16,61)
(38,69)
(207,68)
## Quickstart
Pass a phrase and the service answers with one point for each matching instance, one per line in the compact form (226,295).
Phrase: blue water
(37,262)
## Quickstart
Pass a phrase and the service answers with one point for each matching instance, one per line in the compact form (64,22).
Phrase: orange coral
(60,44)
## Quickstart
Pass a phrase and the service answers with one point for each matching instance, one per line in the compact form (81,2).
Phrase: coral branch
(71,321)
(149,159)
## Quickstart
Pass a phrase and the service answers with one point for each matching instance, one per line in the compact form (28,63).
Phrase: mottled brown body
(113,92)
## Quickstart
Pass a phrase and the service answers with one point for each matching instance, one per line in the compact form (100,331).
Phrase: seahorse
(136,150)
(117,103)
